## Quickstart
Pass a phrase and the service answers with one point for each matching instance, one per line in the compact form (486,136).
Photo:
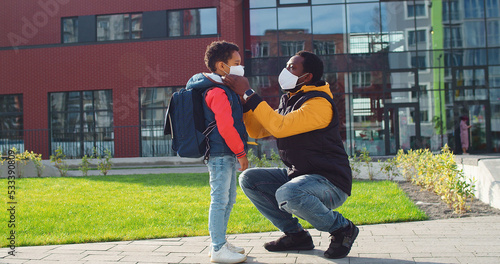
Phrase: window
(416,10)
(324,47)
(289,48)
(260,49)
(119,27)
(361,79)
(81,121)
(474,8)
(451,10)
(192,22)
(154,103)
(418,62)
(415,37)
(70,30)
(11,122)
(453,37)
(493,33)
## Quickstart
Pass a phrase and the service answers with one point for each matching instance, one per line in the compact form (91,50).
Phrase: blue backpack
(185,121)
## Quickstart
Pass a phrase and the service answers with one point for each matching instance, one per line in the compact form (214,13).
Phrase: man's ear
(308,78)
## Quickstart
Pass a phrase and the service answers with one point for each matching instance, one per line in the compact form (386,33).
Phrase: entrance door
(479,137)
(402,127)
(471,99)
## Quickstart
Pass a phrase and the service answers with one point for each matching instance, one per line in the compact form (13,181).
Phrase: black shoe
(342,241)
(291,241)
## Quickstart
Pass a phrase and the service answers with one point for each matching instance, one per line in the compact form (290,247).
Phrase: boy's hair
(312,64)
(219,51)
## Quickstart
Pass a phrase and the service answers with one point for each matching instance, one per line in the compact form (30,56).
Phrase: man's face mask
(288,80)
(236,70)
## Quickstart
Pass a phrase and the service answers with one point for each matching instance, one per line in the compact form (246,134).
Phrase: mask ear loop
(301,77)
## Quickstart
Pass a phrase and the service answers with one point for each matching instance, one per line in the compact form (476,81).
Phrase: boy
(227,143)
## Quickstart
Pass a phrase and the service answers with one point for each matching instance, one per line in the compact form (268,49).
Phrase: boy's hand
(243,163)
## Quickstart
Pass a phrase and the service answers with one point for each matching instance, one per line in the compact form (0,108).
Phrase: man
(318,178)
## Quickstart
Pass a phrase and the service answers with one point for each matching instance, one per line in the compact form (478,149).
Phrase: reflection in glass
(81,121)
(295,18)
(153,105)
(328,19)
(493,33)
(474,8)
(208,20)
(174,23)
(261,3)
(112,27)
(492,8)
(70,30)
(320,2)
(291,2)
(475,32)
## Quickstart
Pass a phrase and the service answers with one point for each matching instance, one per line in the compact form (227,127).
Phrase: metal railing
(121,141)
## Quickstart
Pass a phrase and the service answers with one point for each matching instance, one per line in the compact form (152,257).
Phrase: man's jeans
(311,197)
(222,196)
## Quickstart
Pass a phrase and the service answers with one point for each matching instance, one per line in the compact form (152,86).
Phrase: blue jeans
(311,197)
(222,171)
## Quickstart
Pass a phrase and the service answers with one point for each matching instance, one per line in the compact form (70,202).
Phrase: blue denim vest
(217,144)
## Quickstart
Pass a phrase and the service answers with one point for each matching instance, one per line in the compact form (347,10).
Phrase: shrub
(59,163)
(437,173)
(105,164)
(263,161)
(85,165)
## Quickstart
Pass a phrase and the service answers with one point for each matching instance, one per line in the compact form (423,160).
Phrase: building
(99,74)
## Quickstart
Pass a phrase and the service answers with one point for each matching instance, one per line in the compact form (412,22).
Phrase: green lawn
(98,208)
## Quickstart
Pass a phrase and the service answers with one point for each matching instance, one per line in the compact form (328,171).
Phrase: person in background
(464,134)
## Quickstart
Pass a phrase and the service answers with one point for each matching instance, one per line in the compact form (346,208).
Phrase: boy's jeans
(310,197)
(222,196)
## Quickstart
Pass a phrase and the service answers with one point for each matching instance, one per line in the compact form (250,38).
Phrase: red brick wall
(121,67)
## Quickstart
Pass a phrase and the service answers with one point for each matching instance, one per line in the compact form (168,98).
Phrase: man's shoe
(342,241)
(291,241)
(231,247)
(224,255)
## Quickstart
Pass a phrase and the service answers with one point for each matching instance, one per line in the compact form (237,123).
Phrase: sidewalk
(462,240)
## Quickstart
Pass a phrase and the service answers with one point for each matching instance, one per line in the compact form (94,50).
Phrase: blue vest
(217,144)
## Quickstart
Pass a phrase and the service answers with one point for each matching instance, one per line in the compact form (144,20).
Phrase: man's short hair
(312,64)
(219,51)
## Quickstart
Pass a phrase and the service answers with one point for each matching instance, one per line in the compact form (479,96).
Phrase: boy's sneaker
(224,255)
(342,241)
(231,247)
(291,241)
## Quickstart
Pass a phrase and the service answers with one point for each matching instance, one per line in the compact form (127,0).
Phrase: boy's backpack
(185,121)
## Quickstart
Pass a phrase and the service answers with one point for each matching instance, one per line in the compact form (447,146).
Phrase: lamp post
(440,99)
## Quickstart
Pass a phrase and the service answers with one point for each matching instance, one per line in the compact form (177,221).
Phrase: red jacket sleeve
(218,102)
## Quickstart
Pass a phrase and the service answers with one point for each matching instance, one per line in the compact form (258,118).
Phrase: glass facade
(192,22)
(154,103)
(402,72)
(81,121)
(119,27)
(11,122)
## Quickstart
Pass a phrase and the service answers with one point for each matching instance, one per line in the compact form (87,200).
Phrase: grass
(111,208)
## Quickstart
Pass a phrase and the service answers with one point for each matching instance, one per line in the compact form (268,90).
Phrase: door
(402,127)
(471,100)
(479,136)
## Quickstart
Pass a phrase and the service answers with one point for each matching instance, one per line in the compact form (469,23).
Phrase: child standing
(227,144)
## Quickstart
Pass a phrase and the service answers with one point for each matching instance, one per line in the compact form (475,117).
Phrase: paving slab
(436,241)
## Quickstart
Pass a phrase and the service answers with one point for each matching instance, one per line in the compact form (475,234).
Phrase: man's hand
(243,163)
(238,84)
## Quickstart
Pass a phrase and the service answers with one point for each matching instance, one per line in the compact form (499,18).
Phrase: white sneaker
(231,247)
(224,255)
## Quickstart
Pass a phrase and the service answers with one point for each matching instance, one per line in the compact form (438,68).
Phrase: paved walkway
(464,240)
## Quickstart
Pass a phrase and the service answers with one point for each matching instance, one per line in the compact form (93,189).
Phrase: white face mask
(236,70)
(288,80)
